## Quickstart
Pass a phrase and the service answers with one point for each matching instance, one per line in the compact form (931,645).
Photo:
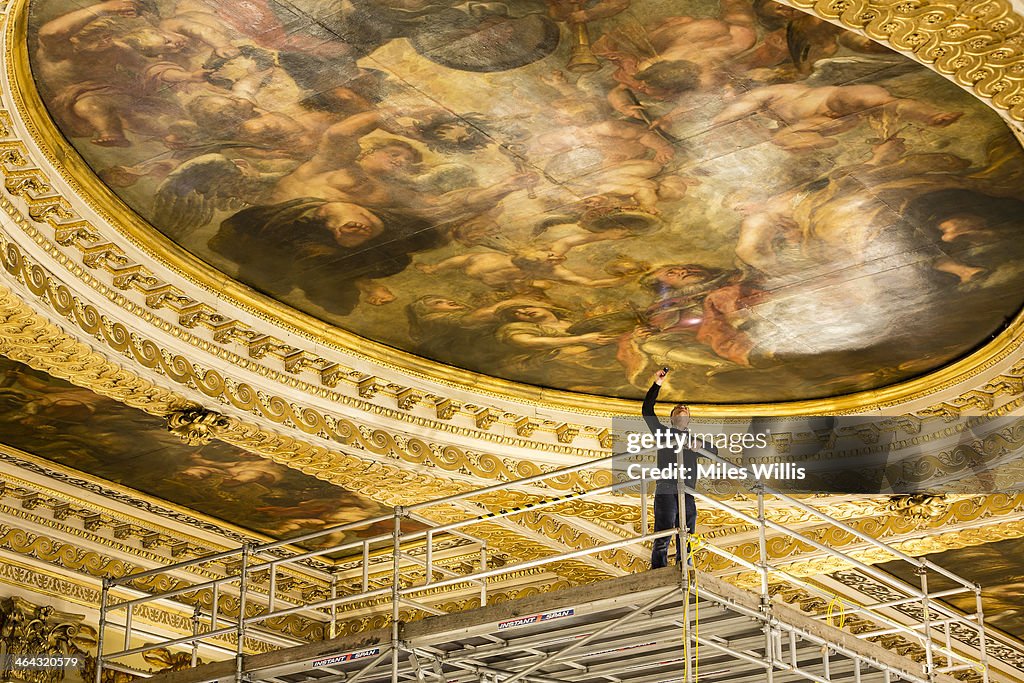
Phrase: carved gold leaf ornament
(278,410)
(306,457)
(195,426)
(24,323)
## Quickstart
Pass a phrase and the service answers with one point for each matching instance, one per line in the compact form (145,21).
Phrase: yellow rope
(835,603)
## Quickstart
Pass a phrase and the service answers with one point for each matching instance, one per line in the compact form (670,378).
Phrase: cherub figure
(595,155)
(677,55)
(116,65)
(343,170)
(83,49)
(529,269)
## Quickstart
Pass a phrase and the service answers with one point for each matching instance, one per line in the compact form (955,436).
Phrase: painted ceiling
(564,194)
(56,421)
(996,566)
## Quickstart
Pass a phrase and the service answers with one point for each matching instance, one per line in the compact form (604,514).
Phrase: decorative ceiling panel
(75,427)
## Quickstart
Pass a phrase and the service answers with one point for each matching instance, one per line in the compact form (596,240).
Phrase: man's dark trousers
(666,516)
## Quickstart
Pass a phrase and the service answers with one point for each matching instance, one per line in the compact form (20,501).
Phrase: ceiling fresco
(567,194)
(57,421)
(999,569)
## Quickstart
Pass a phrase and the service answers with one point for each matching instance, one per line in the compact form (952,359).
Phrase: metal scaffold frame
(249,586)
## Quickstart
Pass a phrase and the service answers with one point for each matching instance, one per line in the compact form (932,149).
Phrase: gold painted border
(902,25)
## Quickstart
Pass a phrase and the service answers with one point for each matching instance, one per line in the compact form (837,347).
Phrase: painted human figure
(533,268)
(681,54)
(117,66)
(811,115)
(698,317)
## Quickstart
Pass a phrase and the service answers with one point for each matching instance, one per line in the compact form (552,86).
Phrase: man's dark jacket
(667,456)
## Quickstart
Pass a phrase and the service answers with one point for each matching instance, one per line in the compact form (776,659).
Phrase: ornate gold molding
(1007,513)
(346,432)
(28,338)
(348,471)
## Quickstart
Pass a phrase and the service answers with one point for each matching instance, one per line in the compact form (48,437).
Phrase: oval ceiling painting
(562,193)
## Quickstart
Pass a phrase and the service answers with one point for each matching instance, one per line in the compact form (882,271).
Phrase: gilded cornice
(966,522)
(27,336)
(96,373)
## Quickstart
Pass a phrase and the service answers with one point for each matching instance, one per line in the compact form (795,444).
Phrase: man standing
(666,495)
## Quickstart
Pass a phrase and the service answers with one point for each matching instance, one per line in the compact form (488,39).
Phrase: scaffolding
(687,622)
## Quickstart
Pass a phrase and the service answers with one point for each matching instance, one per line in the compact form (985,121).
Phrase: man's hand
(659,376)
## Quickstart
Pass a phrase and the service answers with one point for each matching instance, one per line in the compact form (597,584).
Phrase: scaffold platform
(627,630)
(658,626)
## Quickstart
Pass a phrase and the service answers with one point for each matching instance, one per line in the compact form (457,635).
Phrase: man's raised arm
(653,423)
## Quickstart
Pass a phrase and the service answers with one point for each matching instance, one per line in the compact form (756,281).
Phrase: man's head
(680,417)
(214,113)
(448,133)
(670,76)
(441,304)
(153,42)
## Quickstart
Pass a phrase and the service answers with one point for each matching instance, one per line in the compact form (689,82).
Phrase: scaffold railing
(237,596)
